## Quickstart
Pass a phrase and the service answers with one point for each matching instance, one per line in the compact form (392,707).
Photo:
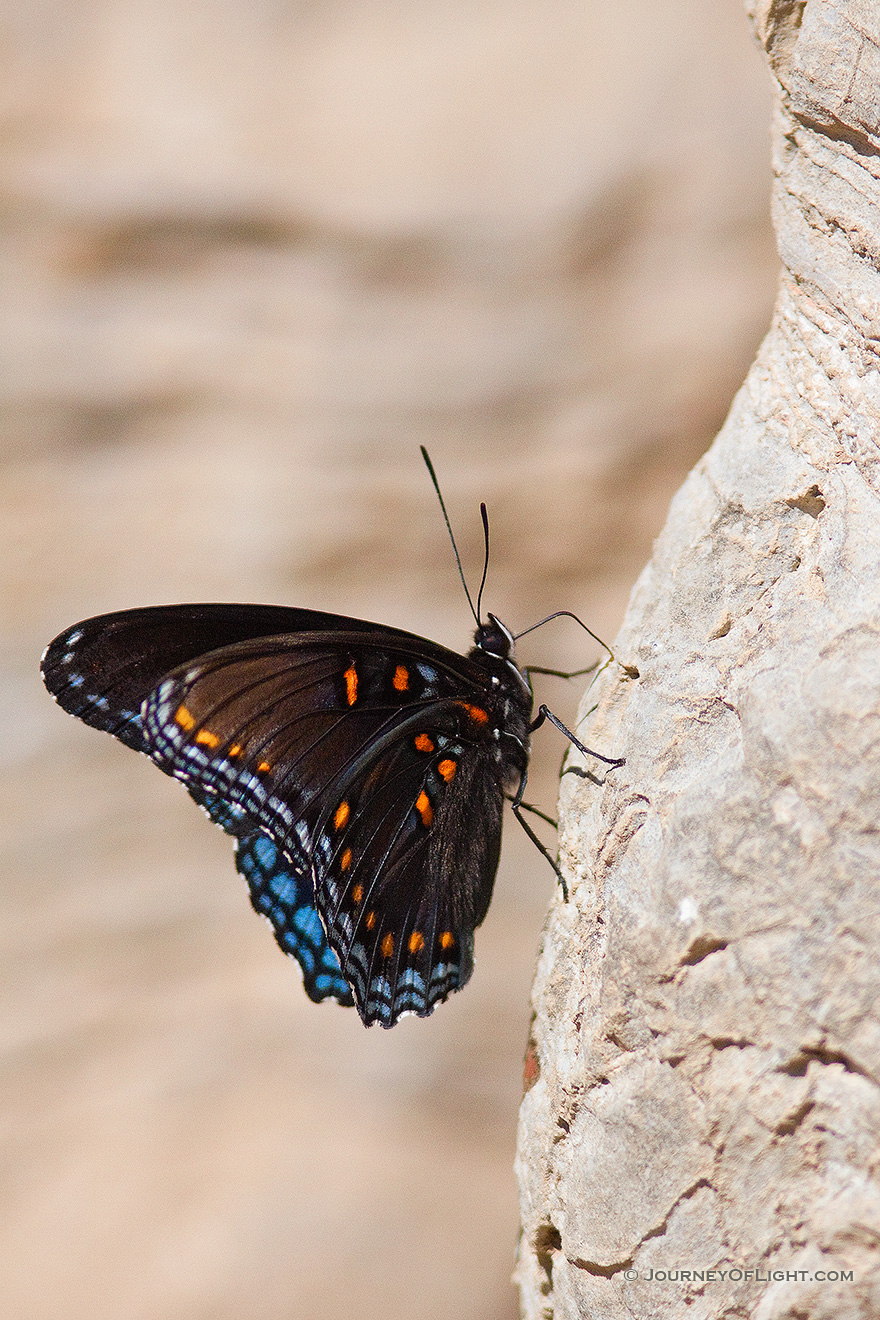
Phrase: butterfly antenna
(485,517)
(430,466)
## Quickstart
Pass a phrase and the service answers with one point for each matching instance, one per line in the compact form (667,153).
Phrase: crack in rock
(608,1271)
(798,1064)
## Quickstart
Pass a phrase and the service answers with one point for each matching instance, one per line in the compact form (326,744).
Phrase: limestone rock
(706,1039)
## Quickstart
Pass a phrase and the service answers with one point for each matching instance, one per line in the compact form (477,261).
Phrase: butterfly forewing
(101,669)
(269,724)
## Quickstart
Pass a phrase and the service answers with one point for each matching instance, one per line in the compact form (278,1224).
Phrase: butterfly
(361,770)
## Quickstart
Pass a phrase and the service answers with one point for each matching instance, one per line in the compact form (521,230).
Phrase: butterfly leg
(518,807)
(517,800)
(545,714)
(560,673)
(527,806)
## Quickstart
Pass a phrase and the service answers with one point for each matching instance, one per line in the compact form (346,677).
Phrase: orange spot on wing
(351,685)
(401,678)
(387,945)
(263,767)
(370,920)
(184,718)
(235,750)
(357,893)
(345,860)
(447,939)
(207,738)
(446,769)
(423,743)
(416,941)
(424,808)
(341,815)
(477,714)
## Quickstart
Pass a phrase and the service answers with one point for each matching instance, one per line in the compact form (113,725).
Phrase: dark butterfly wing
(101,669)
(280,722)
(344,747)
(403,878)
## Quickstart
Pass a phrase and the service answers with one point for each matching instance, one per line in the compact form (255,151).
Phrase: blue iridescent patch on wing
(283,891)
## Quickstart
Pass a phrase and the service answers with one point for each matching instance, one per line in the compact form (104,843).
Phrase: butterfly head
(494,638)
(494,649)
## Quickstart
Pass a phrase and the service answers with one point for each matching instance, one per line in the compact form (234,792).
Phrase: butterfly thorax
(493,650)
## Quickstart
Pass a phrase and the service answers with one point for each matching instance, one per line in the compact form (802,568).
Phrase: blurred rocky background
(254,254)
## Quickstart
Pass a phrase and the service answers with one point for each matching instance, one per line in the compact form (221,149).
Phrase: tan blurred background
(253,254)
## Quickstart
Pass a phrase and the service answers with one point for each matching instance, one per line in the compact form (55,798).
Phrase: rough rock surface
(705,1056)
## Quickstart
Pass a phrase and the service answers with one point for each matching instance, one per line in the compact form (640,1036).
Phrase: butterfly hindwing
(400,884)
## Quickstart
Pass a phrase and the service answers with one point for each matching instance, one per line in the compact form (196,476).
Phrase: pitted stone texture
(706,1038)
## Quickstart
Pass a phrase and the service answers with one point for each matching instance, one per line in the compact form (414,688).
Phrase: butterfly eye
(491,637)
